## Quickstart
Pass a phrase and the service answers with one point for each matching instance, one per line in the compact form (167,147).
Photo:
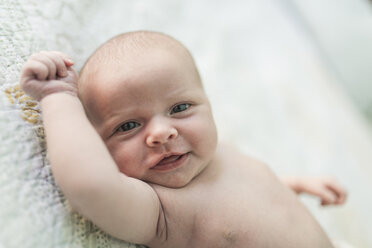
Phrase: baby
(133,146)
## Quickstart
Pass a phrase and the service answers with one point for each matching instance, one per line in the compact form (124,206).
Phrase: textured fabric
(33,212)
(272,94)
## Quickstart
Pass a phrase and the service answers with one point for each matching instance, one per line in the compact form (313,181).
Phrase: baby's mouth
(170,162)
(169,159)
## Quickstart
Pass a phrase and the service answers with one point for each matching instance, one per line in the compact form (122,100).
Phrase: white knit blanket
(271,93)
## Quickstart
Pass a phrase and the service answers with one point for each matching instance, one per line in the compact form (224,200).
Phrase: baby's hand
(48,72)
(326,188)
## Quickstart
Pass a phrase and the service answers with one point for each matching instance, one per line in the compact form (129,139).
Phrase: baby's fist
(48,72)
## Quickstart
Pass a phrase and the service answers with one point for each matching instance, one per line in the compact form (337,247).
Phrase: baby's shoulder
(231,157)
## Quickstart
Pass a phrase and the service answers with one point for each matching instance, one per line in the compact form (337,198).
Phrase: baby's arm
(124,207)
(326,188)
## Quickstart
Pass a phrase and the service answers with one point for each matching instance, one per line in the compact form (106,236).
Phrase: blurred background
(289,80)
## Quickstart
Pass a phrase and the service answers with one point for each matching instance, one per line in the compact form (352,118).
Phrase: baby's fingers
(58,62)
(328,198)
(338,190)
(34,69)
(49,63)
(66,59)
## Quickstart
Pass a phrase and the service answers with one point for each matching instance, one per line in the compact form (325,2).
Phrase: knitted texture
(33,211)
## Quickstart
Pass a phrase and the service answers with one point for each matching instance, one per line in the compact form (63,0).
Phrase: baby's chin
(176,180)
(175,184)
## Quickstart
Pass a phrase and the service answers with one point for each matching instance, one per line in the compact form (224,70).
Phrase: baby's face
(154,118)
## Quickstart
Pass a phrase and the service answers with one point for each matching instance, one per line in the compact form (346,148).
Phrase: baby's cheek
(202,134)
(128,159)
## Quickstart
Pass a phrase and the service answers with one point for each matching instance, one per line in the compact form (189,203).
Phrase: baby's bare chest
(233,210)
(221,213)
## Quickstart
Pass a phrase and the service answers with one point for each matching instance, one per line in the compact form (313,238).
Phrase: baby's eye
(128,126)
(180,107)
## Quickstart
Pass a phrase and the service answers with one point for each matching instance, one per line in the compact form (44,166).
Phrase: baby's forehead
(130,52)
(131,49)
(135,67)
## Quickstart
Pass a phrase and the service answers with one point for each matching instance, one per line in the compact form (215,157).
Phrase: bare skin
(246,206)
(151,172)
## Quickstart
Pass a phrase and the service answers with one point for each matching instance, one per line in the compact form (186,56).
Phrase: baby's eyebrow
(185,94)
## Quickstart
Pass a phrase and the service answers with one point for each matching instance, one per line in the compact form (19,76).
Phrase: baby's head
(143,94)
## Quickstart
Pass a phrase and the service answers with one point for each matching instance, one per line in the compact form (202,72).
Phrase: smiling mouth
(171,162)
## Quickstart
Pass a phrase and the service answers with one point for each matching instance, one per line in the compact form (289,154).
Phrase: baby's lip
(167,158)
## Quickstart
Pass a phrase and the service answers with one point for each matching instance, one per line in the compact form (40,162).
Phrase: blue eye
(180,107)
(128,126)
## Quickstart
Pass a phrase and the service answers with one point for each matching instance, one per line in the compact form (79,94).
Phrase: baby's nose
(160,132)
